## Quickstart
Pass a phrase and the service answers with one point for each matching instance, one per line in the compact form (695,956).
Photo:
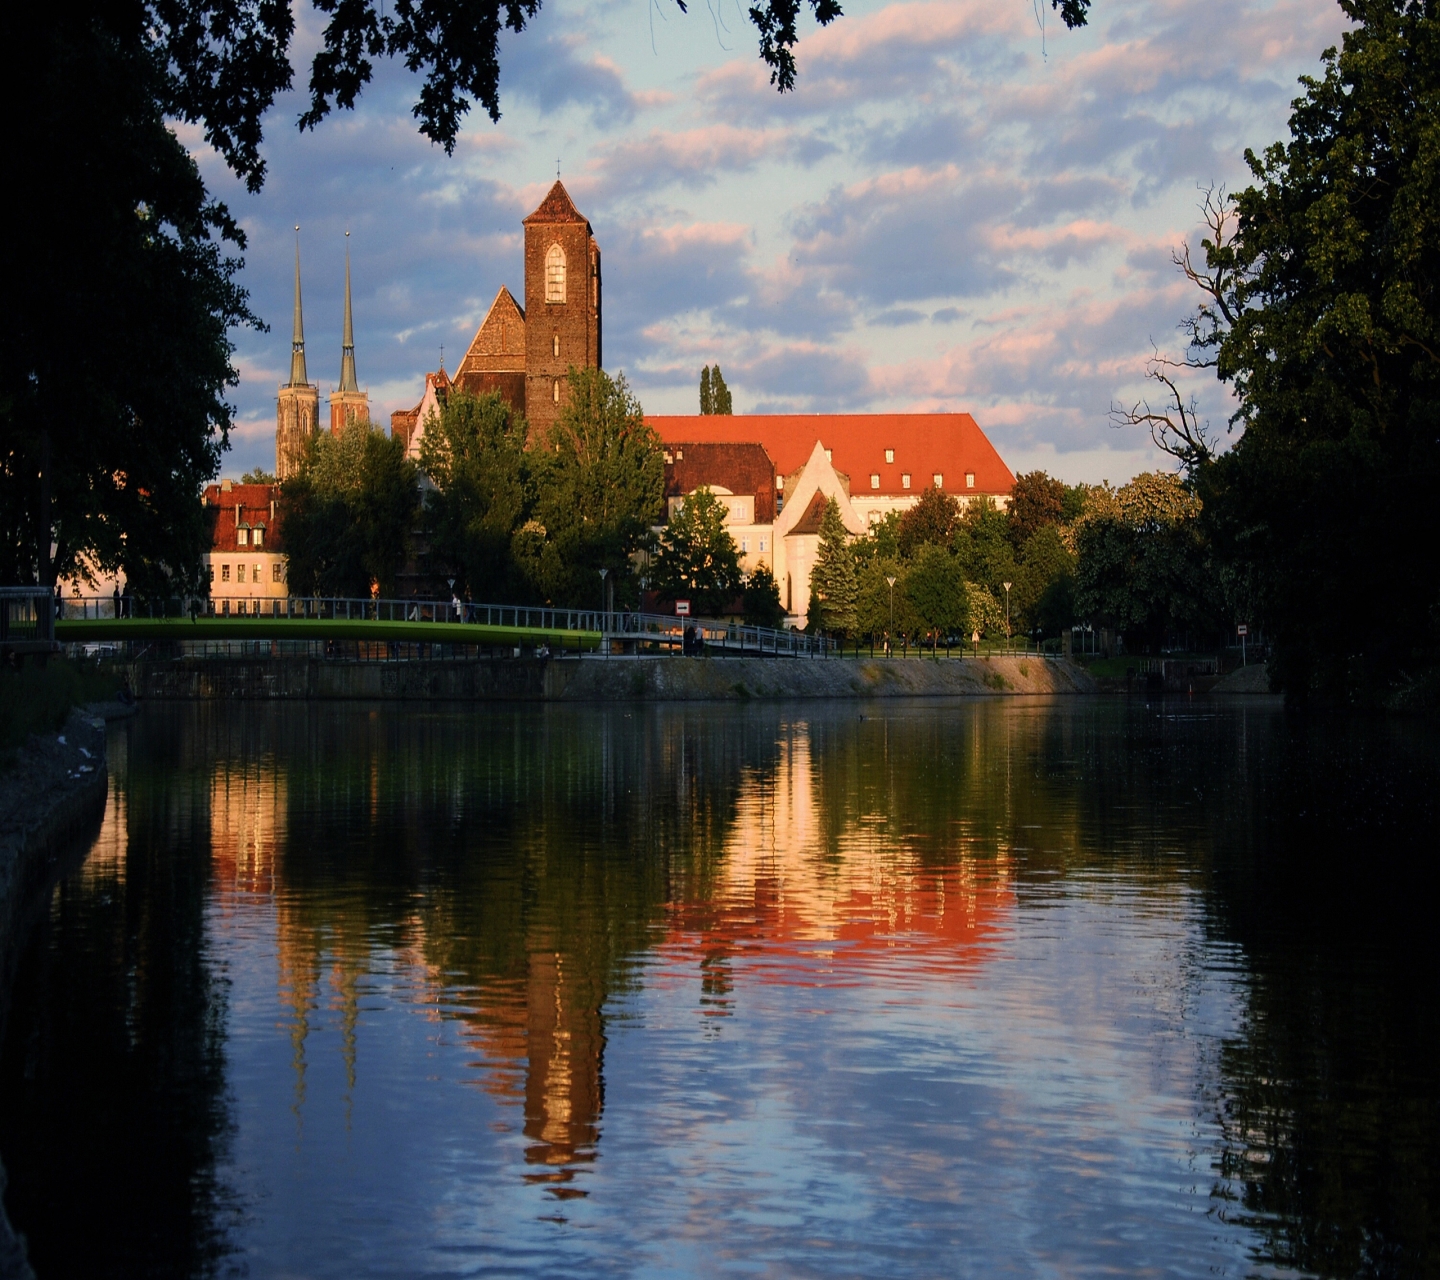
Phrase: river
(1026,987)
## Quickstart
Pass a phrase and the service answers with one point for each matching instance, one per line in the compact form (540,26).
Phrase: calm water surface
(984,988)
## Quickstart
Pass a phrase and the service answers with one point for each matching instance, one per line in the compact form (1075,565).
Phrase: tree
(714,394)
(982,543)
(1141,560)
(1331,342)
(883,609)
(599,472)
(697,556)
(257,476)
(760,599)
(473,450)
(932,521)
(832,579)
(935,590)
(348,514)
(1037,500)
(1043,593)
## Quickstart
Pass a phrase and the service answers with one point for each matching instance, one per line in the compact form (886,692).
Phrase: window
(277,572)
(555,391)
(969,479)
(212,573)
(224,573)
(829,456)
(874,481)
(762,546)
(242,535)
(905,480)
(239,573)
(745,546)
(939,480)
(889,455)
(555,342)
(555,274)
(255,574)
(258,535)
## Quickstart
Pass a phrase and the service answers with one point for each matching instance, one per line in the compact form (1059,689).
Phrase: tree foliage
(760,599)
(936,593)
(833,584)
(473,451)
(697,557)
(932,521)
(1036,502)
(349,513)
(599,474)
(714,394)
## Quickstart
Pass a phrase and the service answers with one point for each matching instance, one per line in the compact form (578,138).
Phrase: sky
(958,209)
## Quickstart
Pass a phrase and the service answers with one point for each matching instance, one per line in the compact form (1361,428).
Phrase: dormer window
(969,479)
(555,275)
(874,480)
(257,536)
(939,480)
(889,455)
(905,480)
(242,536)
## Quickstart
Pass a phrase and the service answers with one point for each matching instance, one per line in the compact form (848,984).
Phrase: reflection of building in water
(804,903)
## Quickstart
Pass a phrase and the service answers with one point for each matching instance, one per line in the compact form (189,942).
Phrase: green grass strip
(94,630)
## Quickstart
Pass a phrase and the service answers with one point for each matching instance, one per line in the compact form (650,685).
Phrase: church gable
(499,342)
(558,207)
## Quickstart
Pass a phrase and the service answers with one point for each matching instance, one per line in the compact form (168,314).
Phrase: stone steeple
(297,409)
(348,403)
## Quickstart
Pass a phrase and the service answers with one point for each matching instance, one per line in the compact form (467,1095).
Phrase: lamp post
(1006,585)
(604,620)
(891,581)
(453,597)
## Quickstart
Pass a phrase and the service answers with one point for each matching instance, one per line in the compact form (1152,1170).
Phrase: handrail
(662,628)
(27,619)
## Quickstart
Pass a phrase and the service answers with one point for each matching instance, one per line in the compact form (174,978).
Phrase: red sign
(682,608)
(1242,630)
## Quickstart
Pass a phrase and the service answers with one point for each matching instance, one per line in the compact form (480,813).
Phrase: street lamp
(888,637)
(453,596)
(1006,585)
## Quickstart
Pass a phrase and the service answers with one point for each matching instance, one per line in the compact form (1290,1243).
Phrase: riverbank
(601,679)
(52,793)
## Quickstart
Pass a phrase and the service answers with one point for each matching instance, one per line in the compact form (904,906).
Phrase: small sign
(1242,630)
(682,608)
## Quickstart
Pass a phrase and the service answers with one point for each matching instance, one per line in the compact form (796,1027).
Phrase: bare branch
(1175,426)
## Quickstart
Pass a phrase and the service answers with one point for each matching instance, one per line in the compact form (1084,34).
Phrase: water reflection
(1042,985)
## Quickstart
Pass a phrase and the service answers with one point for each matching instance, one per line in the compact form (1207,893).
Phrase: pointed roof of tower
(347,345)
(558,207)
(297,338)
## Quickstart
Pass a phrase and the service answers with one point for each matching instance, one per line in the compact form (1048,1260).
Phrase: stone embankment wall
(51,798)
(602,679)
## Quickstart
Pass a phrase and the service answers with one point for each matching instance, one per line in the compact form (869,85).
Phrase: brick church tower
(347,402)
(562,303)
(297,410)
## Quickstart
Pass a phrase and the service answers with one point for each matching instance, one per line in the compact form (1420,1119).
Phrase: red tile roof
(925,445)
(814,514)
(253,501)
(740,468)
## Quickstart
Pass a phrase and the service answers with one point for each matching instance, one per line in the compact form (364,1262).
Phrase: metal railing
(631,630)
(27,619)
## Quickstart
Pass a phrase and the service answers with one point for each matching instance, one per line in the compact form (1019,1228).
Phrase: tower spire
(297,339)
(347,349)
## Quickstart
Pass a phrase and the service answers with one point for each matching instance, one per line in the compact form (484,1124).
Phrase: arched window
(557,344)
(555,274)
(555,391)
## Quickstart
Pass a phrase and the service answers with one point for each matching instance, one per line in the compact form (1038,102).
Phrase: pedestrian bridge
(367,628)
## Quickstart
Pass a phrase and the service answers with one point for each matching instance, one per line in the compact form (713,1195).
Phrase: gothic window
(556,342)
(555,274)
(555,391)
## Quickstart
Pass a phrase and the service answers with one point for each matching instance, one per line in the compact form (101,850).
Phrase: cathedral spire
(297,339)
(347,350)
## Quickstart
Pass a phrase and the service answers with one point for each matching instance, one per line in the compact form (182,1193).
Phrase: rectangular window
(905,480)
(224,573)
(212,573)
(889,455)
(874,481)
(939,481)
(242,536)
(239,573)
(277,572)
(829,455)
(762,545)
(260,535)
(969,479)
(255,574)
(745,546)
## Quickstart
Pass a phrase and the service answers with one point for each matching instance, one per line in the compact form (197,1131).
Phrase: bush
(37,699)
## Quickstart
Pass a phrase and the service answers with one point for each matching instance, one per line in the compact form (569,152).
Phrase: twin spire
(298,378)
